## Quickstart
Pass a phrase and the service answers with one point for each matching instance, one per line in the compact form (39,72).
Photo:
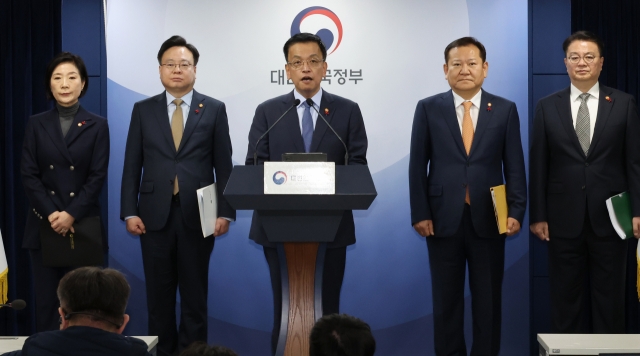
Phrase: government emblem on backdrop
(327,35)
(326,25)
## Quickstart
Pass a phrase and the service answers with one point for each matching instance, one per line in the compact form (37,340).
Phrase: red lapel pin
(326,111)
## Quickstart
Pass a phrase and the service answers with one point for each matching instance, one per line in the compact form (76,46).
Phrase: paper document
(208,206)
(499,198)
(619,208)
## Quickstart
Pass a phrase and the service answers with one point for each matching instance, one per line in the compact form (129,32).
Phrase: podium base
(301,266)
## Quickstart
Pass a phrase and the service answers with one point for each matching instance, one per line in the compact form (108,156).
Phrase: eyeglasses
(172,66)
(312,63)
(575,59)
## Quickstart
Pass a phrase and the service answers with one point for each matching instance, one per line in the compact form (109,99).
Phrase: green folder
(619,207)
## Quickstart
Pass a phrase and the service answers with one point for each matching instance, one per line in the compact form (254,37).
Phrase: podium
(300,225)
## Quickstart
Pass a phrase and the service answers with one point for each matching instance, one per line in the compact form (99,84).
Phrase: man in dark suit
(585,148)
(302,130)
(166,161)
(464,142)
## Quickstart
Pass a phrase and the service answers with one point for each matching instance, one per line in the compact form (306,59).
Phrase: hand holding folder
(499,198)
(619,207)
(208,206)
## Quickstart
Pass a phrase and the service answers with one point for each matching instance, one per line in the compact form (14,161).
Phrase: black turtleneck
(66,115)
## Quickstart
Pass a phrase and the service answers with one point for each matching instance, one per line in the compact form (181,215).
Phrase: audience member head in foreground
(92,317)
(341,335)
(95,297)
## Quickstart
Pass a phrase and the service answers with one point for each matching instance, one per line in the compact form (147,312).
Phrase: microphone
(255,149)
(346,151)
(17,304)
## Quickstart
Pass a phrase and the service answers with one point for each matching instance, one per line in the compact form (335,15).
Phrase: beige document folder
(499,198)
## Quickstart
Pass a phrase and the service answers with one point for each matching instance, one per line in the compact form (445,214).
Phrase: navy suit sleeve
(259,126)
(632,148)
(31,175)
(419,157)
(357,138)
(513,167)
(98,168)
(132,169)
(538,168)
(222,162)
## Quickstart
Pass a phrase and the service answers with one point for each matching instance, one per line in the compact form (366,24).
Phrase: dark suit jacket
(564,183)
(151,161)
(437,193)
(82,341)
(63,173)
(344,116)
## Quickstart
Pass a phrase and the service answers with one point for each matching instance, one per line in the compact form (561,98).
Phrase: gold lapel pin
(200,105)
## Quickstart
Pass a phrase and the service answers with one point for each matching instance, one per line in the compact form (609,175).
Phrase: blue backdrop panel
(387,281)
(81,28)
(551,24)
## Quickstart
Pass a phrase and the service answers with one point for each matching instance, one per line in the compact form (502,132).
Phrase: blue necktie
(307,127)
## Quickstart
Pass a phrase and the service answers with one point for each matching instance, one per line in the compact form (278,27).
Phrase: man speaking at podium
(301,130)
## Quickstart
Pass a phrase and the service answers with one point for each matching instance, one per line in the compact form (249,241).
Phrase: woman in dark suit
(64,163)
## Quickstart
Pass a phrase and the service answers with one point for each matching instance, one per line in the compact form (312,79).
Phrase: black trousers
(176,257)
(588,259)
(448,259)
(46,281)
(332,276)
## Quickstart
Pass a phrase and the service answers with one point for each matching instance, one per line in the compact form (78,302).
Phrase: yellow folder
(499,198)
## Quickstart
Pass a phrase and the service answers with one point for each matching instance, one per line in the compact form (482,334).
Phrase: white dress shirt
(186,104)
(592,105)
(474,111)
(316,103)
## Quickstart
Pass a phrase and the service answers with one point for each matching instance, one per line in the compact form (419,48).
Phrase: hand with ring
(61,222)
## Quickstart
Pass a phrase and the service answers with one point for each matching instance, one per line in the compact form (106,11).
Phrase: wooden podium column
(301,267)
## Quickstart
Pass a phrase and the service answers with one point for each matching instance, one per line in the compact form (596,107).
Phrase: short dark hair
(200,348)
(465,41)
(583,36)
(66,57)
(100,293)
(341,335)
(302,38)
(178,41)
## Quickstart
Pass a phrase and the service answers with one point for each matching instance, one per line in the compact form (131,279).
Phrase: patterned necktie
(583,126)
(307,127)
(467,137)
(177,128)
